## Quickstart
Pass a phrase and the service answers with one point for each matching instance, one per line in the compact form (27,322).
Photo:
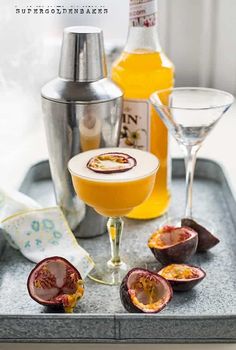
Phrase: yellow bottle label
(135,130)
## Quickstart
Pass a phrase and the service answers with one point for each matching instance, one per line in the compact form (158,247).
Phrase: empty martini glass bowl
(190,113)
(113,181)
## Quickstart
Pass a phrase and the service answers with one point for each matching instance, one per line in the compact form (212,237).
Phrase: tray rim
(116,315)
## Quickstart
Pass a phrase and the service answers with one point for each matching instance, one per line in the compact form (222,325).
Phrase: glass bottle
(142,69)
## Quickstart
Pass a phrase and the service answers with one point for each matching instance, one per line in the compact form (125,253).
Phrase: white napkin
(40,233)
(12,202)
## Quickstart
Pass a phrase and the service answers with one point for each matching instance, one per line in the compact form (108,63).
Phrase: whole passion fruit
(173,244)
(56,282)
(182,277)
(206,240)
(144,291)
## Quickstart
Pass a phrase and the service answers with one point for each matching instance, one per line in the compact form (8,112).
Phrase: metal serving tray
(205,314)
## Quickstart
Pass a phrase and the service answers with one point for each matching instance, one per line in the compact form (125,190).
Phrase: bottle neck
(143,33)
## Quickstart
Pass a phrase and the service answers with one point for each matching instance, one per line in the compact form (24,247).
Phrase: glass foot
(106,273)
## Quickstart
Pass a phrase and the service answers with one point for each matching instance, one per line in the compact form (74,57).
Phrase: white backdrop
(200,38)
(198,35)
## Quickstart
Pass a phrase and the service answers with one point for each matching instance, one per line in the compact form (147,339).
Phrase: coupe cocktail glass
(113,195)
(190,114)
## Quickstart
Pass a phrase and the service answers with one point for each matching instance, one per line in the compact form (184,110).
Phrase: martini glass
(190,113)
(114,195)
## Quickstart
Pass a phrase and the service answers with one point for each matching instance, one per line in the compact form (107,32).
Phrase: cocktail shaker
(82,111)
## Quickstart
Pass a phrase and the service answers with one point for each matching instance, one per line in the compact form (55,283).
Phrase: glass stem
(115,229)
(190,162)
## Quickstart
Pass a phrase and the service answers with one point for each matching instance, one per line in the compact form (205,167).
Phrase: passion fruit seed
(109,163)
(144,291)
(173,244)
(55,281)
(178,271)
(206,240)
(182,277)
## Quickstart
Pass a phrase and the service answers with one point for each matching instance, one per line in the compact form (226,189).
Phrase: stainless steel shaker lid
(82,73)
(82,54)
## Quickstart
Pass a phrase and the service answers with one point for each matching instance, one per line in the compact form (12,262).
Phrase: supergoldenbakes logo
(61,10)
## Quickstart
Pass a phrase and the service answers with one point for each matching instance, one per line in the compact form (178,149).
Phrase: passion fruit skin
(178,253)
(186,285)
(126,299)
(57,306)
(206,240)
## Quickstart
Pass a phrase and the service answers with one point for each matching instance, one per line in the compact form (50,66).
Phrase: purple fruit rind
(206,240)
(178,253)
(180,286)
(125,296)
(52,258)
(112,171)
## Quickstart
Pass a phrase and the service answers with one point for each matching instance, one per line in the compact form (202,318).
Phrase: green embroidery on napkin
(35,226)
(27,244)
(57,234)
(53,242)
(38,242)
(48,224)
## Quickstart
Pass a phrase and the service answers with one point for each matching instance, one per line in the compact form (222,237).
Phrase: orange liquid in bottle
(139,74)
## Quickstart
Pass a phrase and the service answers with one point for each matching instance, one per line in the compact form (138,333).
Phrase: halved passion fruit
(111,162)
(144,291)
(173,244)
(206,240)
(56,282)
(182,277)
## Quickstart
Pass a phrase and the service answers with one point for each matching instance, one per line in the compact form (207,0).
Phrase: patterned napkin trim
(21,213)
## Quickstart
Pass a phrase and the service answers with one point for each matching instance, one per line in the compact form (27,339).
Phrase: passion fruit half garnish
(56,282)
(206,240)
(111,162)
(182,277)
(144,291)
(173,244)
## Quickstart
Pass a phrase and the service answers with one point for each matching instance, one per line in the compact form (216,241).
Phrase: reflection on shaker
(90,132)
(113,109)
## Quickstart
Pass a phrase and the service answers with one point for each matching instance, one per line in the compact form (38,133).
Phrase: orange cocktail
(113,181)
(113,198)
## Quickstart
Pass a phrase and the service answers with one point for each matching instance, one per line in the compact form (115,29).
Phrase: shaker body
(72,128)
(82,111)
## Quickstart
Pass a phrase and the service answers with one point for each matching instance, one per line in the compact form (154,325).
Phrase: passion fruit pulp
(144,291)
(182,277)
(173,244)
(206,240)
(56,282)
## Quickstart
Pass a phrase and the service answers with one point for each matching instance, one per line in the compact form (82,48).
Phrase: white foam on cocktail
(147,164)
